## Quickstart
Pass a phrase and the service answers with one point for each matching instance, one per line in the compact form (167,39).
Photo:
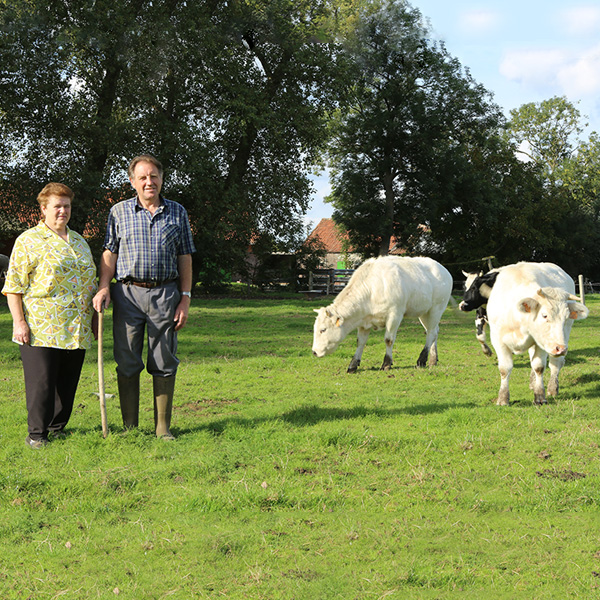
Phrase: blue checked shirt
(148,245)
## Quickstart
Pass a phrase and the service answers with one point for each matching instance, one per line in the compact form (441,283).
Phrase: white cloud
(479,22)
(581,20)
(581,76)
(555,71)
(536,68)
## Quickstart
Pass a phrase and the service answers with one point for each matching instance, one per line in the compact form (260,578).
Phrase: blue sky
(522,51)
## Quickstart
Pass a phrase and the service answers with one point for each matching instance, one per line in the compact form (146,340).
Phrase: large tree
(231,96)
(548,135)
(546,132)
(406,142)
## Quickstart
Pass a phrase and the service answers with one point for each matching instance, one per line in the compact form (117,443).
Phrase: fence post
(581,289)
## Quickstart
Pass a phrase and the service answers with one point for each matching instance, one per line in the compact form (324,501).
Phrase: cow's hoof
(539,400)
(487,351)
(502,402)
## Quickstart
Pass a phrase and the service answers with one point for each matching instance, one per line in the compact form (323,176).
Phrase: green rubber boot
(163,405)
(129,397)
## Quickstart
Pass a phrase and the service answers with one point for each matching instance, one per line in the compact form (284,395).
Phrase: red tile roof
(333,238)
(329,235)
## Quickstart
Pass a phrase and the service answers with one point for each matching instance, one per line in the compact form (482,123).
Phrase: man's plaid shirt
(148,245)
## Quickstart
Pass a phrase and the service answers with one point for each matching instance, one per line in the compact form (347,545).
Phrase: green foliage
(547,133)
(292,479)
(232,97)
(240,100)
(405,139)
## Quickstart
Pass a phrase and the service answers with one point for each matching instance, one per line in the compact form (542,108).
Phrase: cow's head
(478,287)
(548,314)
(328,331)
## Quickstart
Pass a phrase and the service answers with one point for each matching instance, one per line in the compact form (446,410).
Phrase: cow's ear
(339,321)
(528,305)
(578,311)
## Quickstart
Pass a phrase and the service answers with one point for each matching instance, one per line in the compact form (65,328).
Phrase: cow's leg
(430,322)
(362,337)
(391,330)
(556,364)
(480,323)
(505,365)
(538,364)
(532,375)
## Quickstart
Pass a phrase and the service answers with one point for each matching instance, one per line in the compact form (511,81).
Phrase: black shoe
(59,435)
(36,444)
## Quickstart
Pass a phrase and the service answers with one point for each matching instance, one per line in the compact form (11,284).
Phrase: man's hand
(181,312)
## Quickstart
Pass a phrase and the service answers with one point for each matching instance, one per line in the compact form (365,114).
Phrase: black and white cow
(478,287)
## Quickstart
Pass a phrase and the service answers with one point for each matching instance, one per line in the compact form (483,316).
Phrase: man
(148,250)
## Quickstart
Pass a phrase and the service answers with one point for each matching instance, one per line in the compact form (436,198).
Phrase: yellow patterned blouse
(57,280)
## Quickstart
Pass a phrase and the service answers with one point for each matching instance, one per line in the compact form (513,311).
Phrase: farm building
(335,240)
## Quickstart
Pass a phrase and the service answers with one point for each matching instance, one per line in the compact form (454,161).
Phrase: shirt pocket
(171,236)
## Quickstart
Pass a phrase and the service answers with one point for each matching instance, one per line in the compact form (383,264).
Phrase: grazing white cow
(381,293)
(532,308)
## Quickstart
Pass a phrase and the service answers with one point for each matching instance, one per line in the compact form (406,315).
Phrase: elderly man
(147,249)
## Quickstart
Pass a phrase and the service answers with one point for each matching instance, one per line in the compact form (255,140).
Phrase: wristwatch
(188,294)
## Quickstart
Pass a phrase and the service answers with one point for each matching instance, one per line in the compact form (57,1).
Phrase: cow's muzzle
(559,350)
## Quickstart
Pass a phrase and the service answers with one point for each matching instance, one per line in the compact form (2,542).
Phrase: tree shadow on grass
(312,414)
(583,355)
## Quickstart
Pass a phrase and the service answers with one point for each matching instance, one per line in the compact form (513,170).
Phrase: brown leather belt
(147,284)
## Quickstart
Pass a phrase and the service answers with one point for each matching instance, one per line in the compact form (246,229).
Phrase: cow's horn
(574,298)
(541,293)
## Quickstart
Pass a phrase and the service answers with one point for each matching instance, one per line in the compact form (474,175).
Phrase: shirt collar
(46,232)
(138,206)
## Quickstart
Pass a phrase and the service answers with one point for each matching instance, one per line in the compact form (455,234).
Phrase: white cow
(381,293)
(532,308)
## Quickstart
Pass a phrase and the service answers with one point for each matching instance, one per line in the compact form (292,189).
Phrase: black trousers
(51,378)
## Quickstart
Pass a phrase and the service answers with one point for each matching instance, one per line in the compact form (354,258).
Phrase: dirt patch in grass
(564,475)
(206,403)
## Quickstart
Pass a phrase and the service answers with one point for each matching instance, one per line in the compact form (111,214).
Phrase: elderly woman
(49,286)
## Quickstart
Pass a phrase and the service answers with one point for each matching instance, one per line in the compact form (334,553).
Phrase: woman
(49,286)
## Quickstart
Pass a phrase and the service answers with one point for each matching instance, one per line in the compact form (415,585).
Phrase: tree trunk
(388,229)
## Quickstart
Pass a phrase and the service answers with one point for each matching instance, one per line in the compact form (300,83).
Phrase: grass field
(291,479)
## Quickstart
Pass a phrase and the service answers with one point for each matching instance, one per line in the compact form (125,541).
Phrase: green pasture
(293,480)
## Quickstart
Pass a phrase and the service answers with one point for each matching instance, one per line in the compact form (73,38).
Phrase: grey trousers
(135,311)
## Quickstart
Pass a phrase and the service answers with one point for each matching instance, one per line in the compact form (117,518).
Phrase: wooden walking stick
(101,374)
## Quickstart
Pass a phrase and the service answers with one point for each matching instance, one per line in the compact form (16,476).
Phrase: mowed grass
(291,479)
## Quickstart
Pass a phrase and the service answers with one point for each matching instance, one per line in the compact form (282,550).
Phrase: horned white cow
(380,293)
(532,308)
